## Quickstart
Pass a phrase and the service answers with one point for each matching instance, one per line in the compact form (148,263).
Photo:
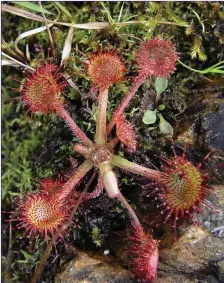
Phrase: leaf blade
(32,6)
(160,85)
(63,9)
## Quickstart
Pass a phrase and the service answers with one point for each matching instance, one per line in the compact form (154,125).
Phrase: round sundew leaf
(105,68)
(160,85)
(42,89)
(149,117)
(125,133)
(156,57)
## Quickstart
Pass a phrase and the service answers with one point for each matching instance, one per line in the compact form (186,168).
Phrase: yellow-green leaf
(32,6)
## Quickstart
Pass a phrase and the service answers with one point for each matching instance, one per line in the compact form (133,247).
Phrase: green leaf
(161,107)
(160,85)
(32,6)
(149,117)
(165,127)
(26,255)
(63,9)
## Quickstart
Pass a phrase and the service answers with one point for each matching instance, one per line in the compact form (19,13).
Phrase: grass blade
(67,45)
(110,19)
(32,6)
(6,62)
(28,33)
(120,14)
(32,32)
(93,25)
(63,9)
(22,13)
(18,62)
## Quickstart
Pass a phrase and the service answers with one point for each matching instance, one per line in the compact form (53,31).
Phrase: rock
(215,165)
(220,266)
(198,255)
(209,134)
(183,279)
(205,131)
(210,129)
(212,218)
(194,252)
(175,278)
(84,269)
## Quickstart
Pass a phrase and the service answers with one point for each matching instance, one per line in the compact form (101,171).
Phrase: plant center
(100,155)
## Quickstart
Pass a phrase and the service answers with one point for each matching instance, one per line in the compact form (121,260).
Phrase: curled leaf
(25,34)
(125,133)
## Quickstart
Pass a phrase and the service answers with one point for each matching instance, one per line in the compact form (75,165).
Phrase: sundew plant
(74,75)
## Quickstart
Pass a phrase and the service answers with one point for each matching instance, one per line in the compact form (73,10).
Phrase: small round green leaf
(161,107)
(149,117)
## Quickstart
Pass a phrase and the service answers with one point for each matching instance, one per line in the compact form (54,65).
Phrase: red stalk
(124,103)
(74,127)
(129,209)
(75,178)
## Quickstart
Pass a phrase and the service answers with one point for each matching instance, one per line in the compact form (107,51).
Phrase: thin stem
(5,46)
(101,121)
(48,31)
(135,168)
(59,232)
(145,22)
(200,21)
(213,69)
(124,103)
(74,127)
(129,209)
(75,178)
(9,255)
(189,68)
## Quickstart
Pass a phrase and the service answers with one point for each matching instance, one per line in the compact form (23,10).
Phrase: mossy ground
(41,146)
